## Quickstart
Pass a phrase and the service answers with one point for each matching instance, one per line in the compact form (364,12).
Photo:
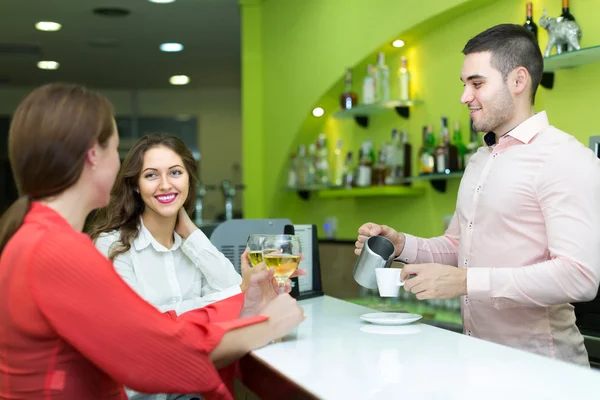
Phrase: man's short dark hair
(511,46)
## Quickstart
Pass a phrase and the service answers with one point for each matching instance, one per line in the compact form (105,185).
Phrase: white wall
(219,127)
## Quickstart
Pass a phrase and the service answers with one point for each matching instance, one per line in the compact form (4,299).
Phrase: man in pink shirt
(525,235)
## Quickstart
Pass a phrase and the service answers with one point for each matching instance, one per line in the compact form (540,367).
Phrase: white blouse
(189,275)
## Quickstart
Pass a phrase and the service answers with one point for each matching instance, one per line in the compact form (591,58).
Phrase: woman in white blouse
(147,233)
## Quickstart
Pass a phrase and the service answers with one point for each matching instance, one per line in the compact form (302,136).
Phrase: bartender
(525,235)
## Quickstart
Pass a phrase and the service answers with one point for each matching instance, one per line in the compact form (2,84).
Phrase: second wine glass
(283,254)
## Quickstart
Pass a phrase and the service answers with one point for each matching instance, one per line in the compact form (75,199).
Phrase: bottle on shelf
(292,172)
(457,140)
(380,170)
(348,99)
(337,179)
(365,165)
(368,95)
(322,161)
(566,13)
(530,25)
(404,79)
(310,162)
(566,16)
(446,154)
(382,79)
(407,156)
(349,172)
(472,146)
(306,169)
(394,159)
(426,160)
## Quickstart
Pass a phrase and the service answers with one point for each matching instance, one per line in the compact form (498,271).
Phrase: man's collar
(523,132)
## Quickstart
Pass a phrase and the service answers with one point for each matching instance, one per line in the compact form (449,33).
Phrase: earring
(93,167)
(137,190)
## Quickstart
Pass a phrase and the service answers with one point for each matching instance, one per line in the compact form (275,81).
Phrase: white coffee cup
(388,281)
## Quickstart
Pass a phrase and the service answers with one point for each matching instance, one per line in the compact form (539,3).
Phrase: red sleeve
(90,306)
(226,310)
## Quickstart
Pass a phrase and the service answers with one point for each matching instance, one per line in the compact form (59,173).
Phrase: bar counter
(336,355)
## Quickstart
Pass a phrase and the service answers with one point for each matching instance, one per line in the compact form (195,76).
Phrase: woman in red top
(70,328)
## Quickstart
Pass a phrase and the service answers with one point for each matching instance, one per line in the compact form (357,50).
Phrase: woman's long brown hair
(50,134)
(126,206)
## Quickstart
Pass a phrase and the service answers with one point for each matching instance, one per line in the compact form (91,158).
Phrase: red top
(70,328)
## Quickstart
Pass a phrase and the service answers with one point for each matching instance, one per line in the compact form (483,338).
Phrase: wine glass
(254,244)
(283,254)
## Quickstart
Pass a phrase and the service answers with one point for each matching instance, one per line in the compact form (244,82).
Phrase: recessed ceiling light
(398,43)
(318,112)
(48,26)
(179,80)
(48,65)
(161,1)
(171,47)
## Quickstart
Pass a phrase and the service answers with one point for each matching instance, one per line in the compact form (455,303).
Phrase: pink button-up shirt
(527,228)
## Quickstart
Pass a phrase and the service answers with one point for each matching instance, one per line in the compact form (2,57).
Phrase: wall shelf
(570,59)
(374,191)
(438,181)
(361,113)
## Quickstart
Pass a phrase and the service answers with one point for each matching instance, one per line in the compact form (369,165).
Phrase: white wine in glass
(283,254)
(255,245)
(256,257)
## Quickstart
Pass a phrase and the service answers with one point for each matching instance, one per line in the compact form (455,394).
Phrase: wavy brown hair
(50,134)
(126,206)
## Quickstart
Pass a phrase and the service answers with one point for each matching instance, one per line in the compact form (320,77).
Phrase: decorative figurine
(560,32)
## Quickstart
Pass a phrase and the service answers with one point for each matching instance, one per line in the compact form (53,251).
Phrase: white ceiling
(209,30)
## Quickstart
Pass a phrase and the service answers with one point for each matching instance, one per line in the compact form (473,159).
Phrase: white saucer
(390,318)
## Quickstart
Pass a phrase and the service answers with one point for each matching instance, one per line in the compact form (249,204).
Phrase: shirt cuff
(409,253)
(479,284)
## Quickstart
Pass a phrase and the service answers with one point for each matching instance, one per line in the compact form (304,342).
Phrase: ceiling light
(179,80)
(48,65)
(398,43)
(48,26)
(161,1)
(318,112)
(171,47)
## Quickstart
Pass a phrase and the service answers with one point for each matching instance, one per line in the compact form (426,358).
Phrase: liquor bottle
(349,172)
(365,165)
(292,172)
(394,159)
(426,161)
(380,170)
(404,80)
(322,161)
(382,80)
(407,156)
(368,94)
(348,99)
(529,24)
(309,164)
(472,146)
(566,16)
(338,165)
(303,167)
(458,142)
(446,154)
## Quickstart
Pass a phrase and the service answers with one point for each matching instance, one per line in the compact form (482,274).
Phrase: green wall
(294,53)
